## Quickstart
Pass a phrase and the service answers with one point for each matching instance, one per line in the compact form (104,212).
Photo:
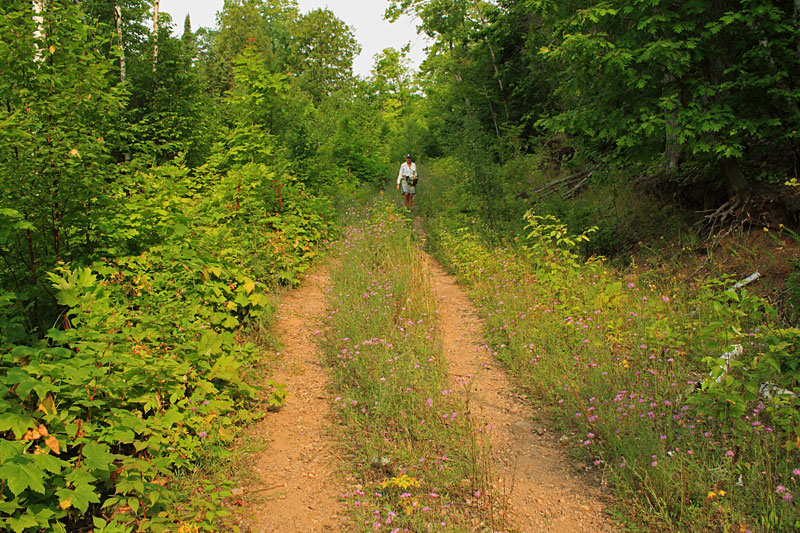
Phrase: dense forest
(160,186)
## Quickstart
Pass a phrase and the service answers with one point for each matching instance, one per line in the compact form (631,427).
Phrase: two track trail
(295,482)
(529,470)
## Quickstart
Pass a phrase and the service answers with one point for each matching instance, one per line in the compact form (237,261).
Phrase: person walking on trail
(407,179)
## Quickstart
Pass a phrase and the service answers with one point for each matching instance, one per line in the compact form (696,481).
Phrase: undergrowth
(151,368)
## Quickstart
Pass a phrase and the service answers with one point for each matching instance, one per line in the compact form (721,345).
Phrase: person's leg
(410,201)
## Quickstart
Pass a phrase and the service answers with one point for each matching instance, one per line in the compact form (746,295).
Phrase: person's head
(408,158)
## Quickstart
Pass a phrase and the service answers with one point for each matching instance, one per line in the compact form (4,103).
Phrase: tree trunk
(494,60)
(797,20)
(34,274)
(38,34)
(672,151)
(494,115)
(155,34)
(737,183)
(122,64)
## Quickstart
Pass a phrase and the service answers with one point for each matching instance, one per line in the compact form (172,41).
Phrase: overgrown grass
(623,365)
(404,428)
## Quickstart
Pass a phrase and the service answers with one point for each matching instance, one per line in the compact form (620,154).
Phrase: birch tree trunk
(38,34)
(155,34)
(122,64)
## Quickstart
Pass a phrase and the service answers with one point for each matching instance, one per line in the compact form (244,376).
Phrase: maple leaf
(249,285)
(21,474)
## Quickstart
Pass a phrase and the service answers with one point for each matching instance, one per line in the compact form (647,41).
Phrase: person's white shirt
(407,171)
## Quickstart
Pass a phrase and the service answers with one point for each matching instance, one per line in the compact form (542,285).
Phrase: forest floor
(297,478)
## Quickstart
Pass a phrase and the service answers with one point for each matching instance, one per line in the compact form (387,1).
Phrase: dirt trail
(543,492)
(295,486)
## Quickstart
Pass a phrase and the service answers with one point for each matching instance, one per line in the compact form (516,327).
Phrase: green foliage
(705,96)
(323,51)
(690,74)
(105,412)
(551,242)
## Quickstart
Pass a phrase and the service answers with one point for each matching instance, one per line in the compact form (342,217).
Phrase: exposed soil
(296,485)
(541,490)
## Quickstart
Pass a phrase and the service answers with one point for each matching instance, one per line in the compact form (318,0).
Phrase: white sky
(364,16)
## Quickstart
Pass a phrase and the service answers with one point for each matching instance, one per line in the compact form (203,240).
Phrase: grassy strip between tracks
(415,452)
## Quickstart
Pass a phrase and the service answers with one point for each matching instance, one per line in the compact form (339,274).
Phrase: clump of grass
(403,426)
(632,371)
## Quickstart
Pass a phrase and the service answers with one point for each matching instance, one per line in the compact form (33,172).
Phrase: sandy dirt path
(529,469)
(296,485)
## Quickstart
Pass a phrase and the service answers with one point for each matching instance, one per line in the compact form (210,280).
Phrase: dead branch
(572,183)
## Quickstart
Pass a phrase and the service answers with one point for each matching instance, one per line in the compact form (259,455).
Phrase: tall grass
(632,372)
(403,426)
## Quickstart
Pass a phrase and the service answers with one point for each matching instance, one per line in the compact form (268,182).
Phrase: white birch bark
(38,34)
(122,63)
(155,33)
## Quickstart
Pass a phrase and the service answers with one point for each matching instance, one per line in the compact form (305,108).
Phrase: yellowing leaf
(52,443)
(52,49)
(74,153)
(48,406)
(249,285)
(43,431)
(65,504)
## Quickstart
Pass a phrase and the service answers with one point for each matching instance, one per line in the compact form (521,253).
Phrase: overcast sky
(364,16)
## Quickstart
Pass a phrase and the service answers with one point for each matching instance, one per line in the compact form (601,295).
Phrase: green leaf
(49,463)
(21,474)
(210,344)
(180,230)
(80,497)
(17,423)
(227,368)
(26,521)
(97,456)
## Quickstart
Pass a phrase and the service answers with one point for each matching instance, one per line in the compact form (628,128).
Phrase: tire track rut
(296,485)
(543,493)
